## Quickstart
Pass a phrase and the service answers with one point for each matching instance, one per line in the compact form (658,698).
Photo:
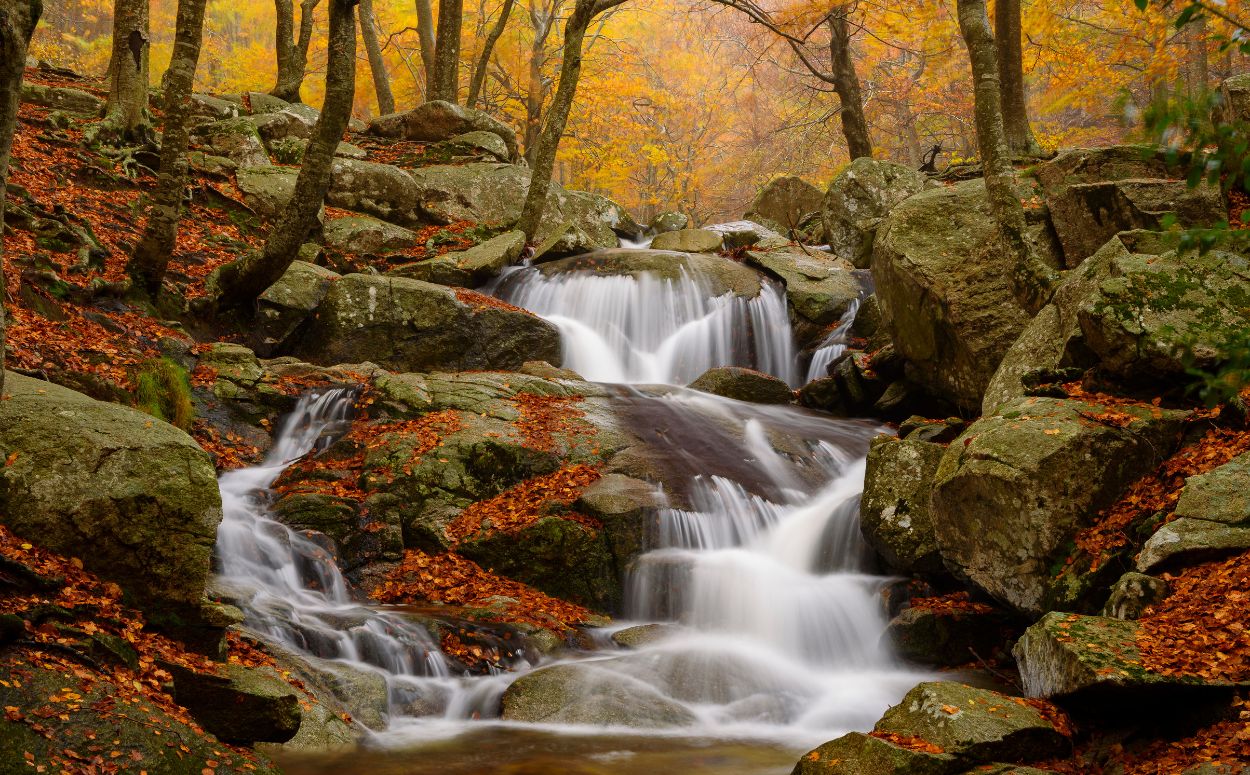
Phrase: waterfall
(833,345)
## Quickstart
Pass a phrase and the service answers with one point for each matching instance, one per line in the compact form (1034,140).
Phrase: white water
(833,345)
(774,623)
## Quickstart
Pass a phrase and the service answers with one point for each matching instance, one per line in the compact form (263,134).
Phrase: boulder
(295,122)
(473,146)
(235,139)
(949,637)
(213,108)
(381,190)
(260,103)
(362,234)
(240,704)
(741,234)
(820,288)
(267,189)
(135,498)
(1212,519)
(285,305)
(784,202)
(62,98)
(688,241)
(468,268)
(894,512)
(643,635)
(1235,99)
(1015,487)
(1065,655)
(859,754)
(595,213)
(438,120)
(973,724)
(858,198)
(665,222)
(587,694)
(744,385)
(625,506)
(291,150)
(1094,193)
(943,280)
(409,325)
(719,275)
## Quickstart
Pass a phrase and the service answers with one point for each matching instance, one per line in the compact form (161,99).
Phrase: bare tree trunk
(425,34)
(1197,61)
(160,235)
(445,85)
(1033,281)
(17,23)
(125,118)
(239,283)
(544,158)
(377,65)
(292,51)
(483,59)
(1008,32)
(542,20)
(846,84)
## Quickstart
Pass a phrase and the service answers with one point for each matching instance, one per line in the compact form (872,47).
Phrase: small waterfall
(289,587)
(833,345)
(649,330)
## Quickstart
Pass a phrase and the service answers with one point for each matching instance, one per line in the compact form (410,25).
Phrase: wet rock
(287,304)
(438,120)
(973,724)
(468,268)
(235,139)
(1133,594)
(859,754)
(744,385)
(948,638)
(320,731)
(134,497)
(62,98)
(240,704)
(742,234)
(894,512)
(588,694)
(819,287)
(858,198)
(547,371)
(362,234)
(643,635)
(1094,193)
(1013,490)
(409,325)
(625,506)
(665,222)
(720,275)
(784,202)
(688,241)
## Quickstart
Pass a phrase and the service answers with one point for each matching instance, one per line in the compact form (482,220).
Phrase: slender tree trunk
(445,84)
(17,23)
(239,283)
(544,158)
(125,118)
(425,34)
(846,84)
(483,59)
(1197,61)
(160,235)
(1032,280)
(377,65)
(292,51)
(1008,31)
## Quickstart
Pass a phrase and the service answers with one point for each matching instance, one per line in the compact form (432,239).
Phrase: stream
(772,616)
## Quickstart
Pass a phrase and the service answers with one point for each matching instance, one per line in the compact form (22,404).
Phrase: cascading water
(772,623)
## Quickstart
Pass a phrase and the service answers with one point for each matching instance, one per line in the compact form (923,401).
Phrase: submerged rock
(744,385)
(135,498)
(858,198)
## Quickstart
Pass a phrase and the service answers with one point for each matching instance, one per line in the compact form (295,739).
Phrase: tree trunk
(1197,61)
(377,65)
(483,59)
(125,118)
(160,235)
(445,85)
(425,34)
(239,283)
(1032,280)
(292,51)
(544,158)
(1008,31)
(846,84)
(542,20)
(17,23)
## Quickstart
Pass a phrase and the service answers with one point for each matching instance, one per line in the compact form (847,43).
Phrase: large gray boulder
(285,305)
(1212,518)
(943,279)
(744,385)
(381,190)
(363,234)
(468,268)
(859,197)
(438,120)
(588,694)
(1015,487)
(819,287)
(63,98)
(409,325)
(894,511)
(784,202)
(134,498)
(1235,99)
(235,139)
(267,189)
(1094,193)
(689,241)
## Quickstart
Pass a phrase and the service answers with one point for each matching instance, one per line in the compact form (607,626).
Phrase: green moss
(163,390)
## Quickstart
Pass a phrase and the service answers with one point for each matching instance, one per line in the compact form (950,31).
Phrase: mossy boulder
(688,241)
(665,222)
(820,288)
(285,305)
(744,385)
(944,282)
(949,637)
(1212,519)
(363,234)
(894,511)
(409,325)
(1015,487)
(588,694)
(235,139)
(474,146)
(439,120)
(858,198)
(467,268)
(63,98)
(267,189)
(784,202)
(135,498)
(240,704)
(859,754)
(976,725)
(381,190)
(720,275)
